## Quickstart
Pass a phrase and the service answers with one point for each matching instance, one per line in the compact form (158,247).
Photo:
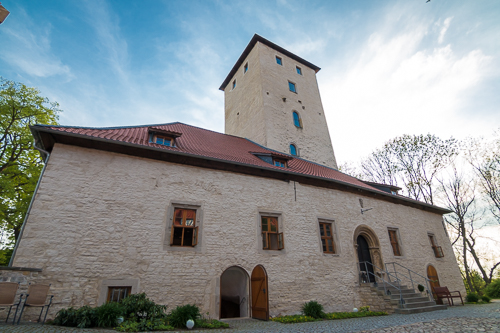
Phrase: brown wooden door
(433,276)
(260,298)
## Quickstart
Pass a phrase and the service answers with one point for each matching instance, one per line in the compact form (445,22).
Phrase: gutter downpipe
(31,202)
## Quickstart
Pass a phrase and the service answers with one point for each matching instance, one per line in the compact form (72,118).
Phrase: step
(420,310)
(419,305)
(416,299)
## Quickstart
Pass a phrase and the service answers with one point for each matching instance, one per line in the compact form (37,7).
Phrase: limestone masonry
(254,240)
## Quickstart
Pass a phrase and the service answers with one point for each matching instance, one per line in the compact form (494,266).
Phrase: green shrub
(472,297)
(294,319)
(313,309)
(345,315)
(138,306)
(83,317)
(108,313)
(364,309)
(144,325)
(181,314)
(209,323)
(493,289)
(485,299)
(421,288)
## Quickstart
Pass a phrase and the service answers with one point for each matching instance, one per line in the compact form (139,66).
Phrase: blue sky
(388,67)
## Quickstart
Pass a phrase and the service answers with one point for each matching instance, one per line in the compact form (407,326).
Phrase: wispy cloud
(28,47)
(444,28)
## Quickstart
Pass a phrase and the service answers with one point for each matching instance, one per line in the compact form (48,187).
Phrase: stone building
(250,223)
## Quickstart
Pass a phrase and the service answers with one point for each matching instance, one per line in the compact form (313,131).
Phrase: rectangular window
(279,163)
(327,241)
(292,87)
(163,140)
(438,250)
(116,294)
(393,236)
(234,84)
(279,61)
(272,239)
(245,68)
(299,70)
(184,230)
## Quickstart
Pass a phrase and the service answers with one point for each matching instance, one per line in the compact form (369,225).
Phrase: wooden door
(260,294)
(433,276)
(365,256)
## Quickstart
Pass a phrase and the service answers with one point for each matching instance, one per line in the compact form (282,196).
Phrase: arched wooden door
(365,256)
(260,294)
(432,275)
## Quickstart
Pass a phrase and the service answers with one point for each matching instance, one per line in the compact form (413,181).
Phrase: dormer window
(163,137)
(279,162)
(163,140)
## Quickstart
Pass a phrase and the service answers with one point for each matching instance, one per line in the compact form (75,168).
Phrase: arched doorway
(234,293)
(260,294)
(432,275)
(367,247)
(365,259)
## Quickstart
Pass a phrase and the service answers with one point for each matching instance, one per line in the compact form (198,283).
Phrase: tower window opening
(292,87)
(299,70)
(279,61)
(245,69)
(296,120)
(293,150)
(234,84)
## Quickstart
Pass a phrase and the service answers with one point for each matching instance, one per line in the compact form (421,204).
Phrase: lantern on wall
(3,13)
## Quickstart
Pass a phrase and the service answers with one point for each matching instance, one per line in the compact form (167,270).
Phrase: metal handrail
(427,280)
(398,287)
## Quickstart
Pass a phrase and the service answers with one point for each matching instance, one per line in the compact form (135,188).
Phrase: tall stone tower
(272,98)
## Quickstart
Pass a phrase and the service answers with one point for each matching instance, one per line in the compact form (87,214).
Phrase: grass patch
(327,316)
(210,323)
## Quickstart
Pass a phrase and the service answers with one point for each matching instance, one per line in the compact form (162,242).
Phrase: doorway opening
(234,293)
(365,260)
(432,275)
(260,294)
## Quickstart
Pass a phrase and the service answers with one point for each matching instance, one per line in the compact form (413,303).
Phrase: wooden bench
(443,292)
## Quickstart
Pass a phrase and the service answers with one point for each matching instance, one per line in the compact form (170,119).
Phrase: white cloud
(394,85)
(29,49)
(444,28)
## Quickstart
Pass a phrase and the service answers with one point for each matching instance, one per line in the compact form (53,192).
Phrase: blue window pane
(296,119)
(293,150)
(278,61)
(167,142)
(159,140)
(246,68)
(234,84)
(299,71)
(291,86)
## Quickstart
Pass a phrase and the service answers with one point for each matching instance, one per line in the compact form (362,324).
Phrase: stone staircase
(414,302)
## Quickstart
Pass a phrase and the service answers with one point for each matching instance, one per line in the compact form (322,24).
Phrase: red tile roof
(202,143)
(206,143)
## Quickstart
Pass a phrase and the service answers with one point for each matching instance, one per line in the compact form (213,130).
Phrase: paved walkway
(468,318)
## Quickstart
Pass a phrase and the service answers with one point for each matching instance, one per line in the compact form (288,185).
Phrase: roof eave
(37,129)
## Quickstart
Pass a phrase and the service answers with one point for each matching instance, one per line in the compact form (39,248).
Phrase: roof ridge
(109,128)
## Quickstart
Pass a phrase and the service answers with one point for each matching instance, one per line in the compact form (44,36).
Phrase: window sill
(330,254)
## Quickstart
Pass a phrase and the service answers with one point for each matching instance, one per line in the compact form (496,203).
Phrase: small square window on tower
(279,61)
(245,68)
(299,70)
(292,87)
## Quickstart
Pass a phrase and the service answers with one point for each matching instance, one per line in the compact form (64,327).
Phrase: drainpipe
(31,202)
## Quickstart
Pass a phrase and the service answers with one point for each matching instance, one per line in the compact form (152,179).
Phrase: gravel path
(468,318)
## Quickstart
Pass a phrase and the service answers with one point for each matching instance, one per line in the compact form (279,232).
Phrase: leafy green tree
(20,163)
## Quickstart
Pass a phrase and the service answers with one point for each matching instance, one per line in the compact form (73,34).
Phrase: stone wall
(23,276)
(101,217)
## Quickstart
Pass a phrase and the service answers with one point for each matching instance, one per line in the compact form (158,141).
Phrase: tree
(412,162)
(20,163)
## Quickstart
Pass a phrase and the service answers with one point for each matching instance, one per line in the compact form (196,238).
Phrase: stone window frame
(233,85)
(294,85)
(298,70)
(125,282)
(298,120)
(398,239)
(297,154)
(198,207)
(279,60)
(335,236)
(281,229)
(245,68)
(432,237)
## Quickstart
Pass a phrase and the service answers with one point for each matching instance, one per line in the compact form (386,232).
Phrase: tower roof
(256,38)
